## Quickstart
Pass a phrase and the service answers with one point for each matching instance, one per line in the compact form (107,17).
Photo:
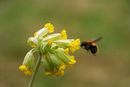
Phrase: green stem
(35,71)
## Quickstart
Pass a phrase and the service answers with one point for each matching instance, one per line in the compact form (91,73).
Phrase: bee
(91,45)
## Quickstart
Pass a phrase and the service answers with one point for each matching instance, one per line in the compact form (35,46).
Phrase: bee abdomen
(93,49)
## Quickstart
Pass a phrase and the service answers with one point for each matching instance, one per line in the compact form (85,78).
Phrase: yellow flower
(72,60)
(50,27)
(75,45)
(62,67)
(64,34)
(25,70)
(66,51)
(59,73)
(28,72)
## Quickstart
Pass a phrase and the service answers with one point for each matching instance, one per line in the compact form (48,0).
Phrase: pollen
(50,27)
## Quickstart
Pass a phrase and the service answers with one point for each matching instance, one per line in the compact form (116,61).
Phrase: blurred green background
(84,19)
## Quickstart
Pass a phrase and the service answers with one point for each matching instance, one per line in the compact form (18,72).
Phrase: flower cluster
(55,50)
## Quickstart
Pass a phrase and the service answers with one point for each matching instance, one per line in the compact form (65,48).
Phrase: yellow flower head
(50,27)
(75,45)
(53,49)
(64,34)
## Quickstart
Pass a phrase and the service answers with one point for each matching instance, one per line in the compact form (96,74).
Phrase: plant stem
(35,71)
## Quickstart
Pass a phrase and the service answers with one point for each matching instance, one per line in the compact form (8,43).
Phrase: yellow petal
(59,73)
(28,72)
(64,34)
(62,67)
(50,27)
(72,60)
(66,51)
(23,68)
(75,45)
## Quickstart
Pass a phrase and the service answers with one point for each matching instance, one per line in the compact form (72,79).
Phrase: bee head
(83,44)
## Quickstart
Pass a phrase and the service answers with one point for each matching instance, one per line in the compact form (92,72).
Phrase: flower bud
(29,60)
(64,43)
(52,37)
(32,42)
(46,63)
(61,55)
(41,33)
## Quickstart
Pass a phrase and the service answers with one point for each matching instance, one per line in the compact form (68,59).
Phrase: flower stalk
(35,71)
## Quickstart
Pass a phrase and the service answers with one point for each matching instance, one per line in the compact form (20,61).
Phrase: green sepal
(61,55)
(41,33)
(56,61)
(64,43)
(29,59)
(46,64)
(52,37)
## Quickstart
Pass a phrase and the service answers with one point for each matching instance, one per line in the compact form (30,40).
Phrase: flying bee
(91,45)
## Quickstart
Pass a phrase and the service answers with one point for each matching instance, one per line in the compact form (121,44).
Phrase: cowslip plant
(52,51)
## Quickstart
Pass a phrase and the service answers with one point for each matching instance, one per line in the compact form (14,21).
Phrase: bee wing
(97,39)
(94,40)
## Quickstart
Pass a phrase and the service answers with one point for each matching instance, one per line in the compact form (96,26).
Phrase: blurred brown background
(84,19)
